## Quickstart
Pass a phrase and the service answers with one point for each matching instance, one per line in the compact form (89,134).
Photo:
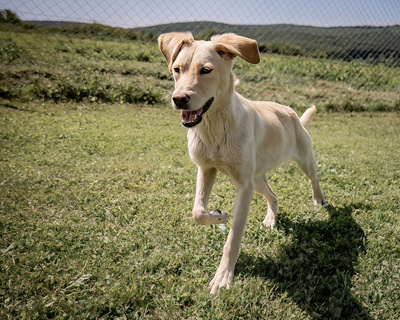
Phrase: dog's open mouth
(192,118)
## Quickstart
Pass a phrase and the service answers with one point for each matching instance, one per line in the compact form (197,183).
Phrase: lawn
(96,193)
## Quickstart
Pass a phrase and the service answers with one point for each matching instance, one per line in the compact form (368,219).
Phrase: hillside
(339,42)
(376,44)
(51,23)
(96,63)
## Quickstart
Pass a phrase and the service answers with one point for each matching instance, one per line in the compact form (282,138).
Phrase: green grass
(96,194)
(95,220)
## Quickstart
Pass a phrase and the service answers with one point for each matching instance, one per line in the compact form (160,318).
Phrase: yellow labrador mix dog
(228,133)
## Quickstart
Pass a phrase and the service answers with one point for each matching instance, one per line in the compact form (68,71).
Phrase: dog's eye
(205,70)
(177,69)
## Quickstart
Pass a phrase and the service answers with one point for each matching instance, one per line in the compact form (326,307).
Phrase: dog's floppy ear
(230,45)
(171,43)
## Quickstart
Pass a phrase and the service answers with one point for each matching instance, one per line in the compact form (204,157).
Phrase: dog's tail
(307,116)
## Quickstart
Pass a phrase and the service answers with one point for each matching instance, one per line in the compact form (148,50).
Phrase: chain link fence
(347,30)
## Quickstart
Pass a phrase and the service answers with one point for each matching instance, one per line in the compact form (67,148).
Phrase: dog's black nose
(180,100)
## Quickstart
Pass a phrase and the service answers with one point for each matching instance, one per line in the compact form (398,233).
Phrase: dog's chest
(222,156)
(213,156)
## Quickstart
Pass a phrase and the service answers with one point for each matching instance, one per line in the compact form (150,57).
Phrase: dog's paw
(219,217)
(223,279)
(320,202)
(269,221)
(212,217)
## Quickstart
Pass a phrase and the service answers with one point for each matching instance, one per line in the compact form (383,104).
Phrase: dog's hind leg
(263,188)
(308,165)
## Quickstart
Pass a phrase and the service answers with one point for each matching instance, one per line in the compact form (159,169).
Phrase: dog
(228,133)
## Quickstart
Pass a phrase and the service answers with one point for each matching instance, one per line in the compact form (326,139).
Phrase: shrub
(207,34)
(134,94)
(285,49)
(10,51)
(347,105)
(100,31)
(9,16)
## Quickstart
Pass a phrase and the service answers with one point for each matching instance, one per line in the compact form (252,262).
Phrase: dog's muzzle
(192,118)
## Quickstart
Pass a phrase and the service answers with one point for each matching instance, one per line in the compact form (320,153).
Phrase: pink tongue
(190,116)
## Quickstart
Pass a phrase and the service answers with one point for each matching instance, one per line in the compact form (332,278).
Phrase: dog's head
(202,69)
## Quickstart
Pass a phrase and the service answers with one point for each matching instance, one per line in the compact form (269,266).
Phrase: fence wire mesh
(341,56)
(347,30)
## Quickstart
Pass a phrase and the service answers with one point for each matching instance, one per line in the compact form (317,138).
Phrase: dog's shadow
(317,267)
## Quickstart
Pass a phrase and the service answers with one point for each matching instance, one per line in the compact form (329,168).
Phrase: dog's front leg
(224,274)
(205,182)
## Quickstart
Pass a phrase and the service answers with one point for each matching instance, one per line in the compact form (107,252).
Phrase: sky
(139,13)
